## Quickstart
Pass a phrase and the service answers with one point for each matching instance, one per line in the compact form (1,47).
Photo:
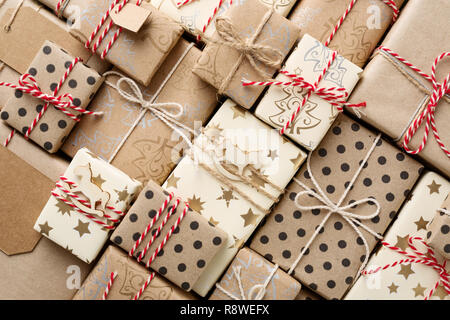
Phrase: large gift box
(130,277)
(259,279)
(152,148)
(236,171)
(7,74)
(438,235)
(186,253)
(406,281)
(250,41)
(56,73)
(308,61)
(360,32)
(86,203)
(335,210)
(390,87)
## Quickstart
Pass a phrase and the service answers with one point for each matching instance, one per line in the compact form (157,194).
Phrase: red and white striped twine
(439,91)
(112,277)
(428,259)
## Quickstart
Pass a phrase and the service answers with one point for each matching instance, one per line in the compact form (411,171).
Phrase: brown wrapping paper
(152,150)
(358,35)
(306,294)
(187,252)
(218,60)
(335,255)
(386,88)
(130,278)
(438,235)
(255,271)
(7,74)
(48,67)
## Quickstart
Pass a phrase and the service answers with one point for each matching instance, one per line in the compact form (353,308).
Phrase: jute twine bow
(256,292)
(428,258)
(354,220)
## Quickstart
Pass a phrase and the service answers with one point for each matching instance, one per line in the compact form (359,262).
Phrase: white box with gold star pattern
(406,281)
(99,182)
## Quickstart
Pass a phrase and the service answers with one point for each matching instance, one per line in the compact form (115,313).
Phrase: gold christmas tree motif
(434,187)
(227,195)
(393,288)
(63,207)
(196,203)
(406,270)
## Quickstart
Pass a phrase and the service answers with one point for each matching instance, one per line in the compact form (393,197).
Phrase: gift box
(358,35)
(234,190)
(388,84)
(186,254)
(312,123)
(56,73)
(306,294)
(7,74)
(85,204)
(195,15)
(260,280)
(138,37)
(438,230)
(335,210)
(129,279)
(264,38)
(152,148)
(406,281)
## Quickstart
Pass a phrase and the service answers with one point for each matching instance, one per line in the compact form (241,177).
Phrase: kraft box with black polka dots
(438,235)
(48,67)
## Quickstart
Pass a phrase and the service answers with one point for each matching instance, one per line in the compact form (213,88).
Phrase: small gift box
(387,277)
(390,85)
(308,61)
(129,279)
(250,41)
(186,253)
(88,200)
(53,76)
(306,294)
(259,279)
(335,210)
(138,140)
(438,235)
(360,32)
(239,167)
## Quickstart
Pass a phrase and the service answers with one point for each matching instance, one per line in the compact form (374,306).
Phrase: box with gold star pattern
(188,251)
(407,281)
(85,204)
(438,235)
(235,172)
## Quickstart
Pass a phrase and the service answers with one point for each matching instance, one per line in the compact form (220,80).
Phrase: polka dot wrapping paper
(48,67)
(406,281)
(187,253)
(331,262)
(130,277)
(438,235)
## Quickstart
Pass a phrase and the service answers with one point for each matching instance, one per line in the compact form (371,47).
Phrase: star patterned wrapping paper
(223,206)
(74,231)
(406,281)
(438,235)
(130,278)
(48,66)
(188,251)
(312,123)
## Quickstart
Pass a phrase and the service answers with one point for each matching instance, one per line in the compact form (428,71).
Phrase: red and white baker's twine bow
(70,195)
(439,91)
(428,259)
(112,277)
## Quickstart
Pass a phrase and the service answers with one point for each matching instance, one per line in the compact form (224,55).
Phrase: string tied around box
(427,258)
(354,220)
(256,292)
(60,7)
(444,211)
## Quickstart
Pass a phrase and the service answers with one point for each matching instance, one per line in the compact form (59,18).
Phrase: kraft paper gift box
(306,294)
(260,280)
(188,251)
(195,15)
(224,67)
(312,123)
(358,35)
(152,149)
(32,268)
(147,35)
(130,278)
(73,223)
(236,204)
(388,86)
(438,235)
(406,281)
(7,74)
(48,68)
(336,251)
